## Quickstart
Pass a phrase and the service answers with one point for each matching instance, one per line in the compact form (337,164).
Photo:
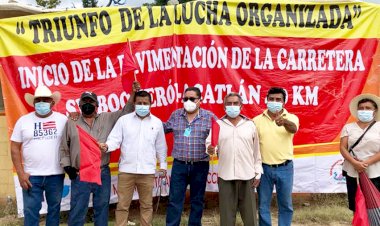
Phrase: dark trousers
(182,175)
(237,195)
(352,187)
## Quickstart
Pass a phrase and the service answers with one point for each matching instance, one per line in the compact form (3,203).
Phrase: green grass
(310,210)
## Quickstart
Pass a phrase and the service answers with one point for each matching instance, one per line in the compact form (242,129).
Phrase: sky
(78,3)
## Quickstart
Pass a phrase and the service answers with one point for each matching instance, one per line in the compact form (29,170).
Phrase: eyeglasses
(192,99)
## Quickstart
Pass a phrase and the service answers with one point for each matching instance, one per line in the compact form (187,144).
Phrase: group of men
(252,154)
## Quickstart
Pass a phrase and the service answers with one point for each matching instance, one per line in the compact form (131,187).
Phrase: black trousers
(352,187)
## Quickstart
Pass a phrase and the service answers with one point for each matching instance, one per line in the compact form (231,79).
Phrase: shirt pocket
(152,134)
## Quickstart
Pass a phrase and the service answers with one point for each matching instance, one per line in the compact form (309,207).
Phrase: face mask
(365,115)
(87,108)
(42,108)
(190,106)
(142,110)
(274,106)
(233,111)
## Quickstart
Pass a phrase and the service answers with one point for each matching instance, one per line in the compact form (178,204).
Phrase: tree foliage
(165,2)
(90,3)
(49,4)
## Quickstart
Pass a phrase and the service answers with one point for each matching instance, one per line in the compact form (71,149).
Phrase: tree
(49,4)
(90,3)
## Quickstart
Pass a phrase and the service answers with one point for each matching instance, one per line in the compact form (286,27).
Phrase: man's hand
(255,183)
(71,171)
(161,173)
(24,181)
(74,116)
(211,150)
(136,86)
(103,147)
(279,119)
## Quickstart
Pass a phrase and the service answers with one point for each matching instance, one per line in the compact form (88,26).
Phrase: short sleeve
(17,132)
(344,132)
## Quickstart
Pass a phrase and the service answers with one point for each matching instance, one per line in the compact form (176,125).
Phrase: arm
(16,159)
(168,126)
(64,148)
(290,126)
(358,165)
(373,159)
(257,157)
(161,148)
(116,136)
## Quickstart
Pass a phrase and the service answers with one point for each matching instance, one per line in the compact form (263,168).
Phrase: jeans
(33,197)
(80,196)
(282,178)
(183,174)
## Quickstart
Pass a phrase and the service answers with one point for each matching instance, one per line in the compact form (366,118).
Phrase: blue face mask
(233,111)
(365,115)
(42,108)
(142,110)
(274,106)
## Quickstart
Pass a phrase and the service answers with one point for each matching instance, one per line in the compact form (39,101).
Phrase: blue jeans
(80,197)
(33,197)
(183,174)
(282,178)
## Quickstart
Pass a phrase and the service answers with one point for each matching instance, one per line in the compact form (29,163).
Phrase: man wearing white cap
(35,139)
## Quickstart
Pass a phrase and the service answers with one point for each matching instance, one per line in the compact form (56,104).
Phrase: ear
(52,104)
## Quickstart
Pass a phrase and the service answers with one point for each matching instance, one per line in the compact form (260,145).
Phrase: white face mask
(190,106)
(233,111)
(274,106)
(142,110)
(365,115)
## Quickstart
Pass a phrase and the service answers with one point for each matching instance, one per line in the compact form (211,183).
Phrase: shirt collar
(284,113)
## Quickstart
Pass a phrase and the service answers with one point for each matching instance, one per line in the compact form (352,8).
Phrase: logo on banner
(336,172)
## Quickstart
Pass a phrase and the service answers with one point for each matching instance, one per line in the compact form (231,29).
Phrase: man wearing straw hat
(35,139)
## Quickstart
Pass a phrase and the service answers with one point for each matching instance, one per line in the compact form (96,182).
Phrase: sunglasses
(192,99)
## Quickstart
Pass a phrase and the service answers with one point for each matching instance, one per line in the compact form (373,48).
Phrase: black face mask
(87,108)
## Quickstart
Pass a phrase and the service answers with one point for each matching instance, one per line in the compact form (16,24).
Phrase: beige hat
(42,91)
(354,104)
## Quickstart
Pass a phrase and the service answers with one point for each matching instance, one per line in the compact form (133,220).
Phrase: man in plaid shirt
(190,126)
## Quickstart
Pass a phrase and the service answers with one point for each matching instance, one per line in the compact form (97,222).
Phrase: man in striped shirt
(190,126)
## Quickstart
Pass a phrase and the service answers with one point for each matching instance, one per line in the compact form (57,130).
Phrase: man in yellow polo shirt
(276,128)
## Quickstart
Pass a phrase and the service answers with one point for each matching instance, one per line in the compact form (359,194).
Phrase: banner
(322,53)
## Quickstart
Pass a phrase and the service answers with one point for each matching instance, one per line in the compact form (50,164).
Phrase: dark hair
(195,89)
(142,93)
(233,94)
(276,90)
(367,100)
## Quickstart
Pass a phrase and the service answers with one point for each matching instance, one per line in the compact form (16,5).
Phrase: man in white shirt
(142,140)
(35,139)
(239,167)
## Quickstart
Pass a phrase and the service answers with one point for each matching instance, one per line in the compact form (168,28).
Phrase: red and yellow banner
(323,54)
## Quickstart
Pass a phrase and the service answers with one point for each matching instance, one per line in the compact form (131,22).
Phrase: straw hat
(354,104)
(42,91)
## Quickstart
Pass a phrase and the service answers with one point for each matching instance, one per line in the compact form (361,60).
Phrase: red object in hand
(215,128)
(90,158)
(361,215)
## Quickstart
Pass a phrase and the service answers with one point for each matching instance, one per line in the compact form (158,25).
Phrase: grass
(309,209)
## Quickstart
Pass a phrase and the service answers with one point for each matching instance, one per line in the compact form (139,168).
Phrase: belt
(191,162)
(278,165)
